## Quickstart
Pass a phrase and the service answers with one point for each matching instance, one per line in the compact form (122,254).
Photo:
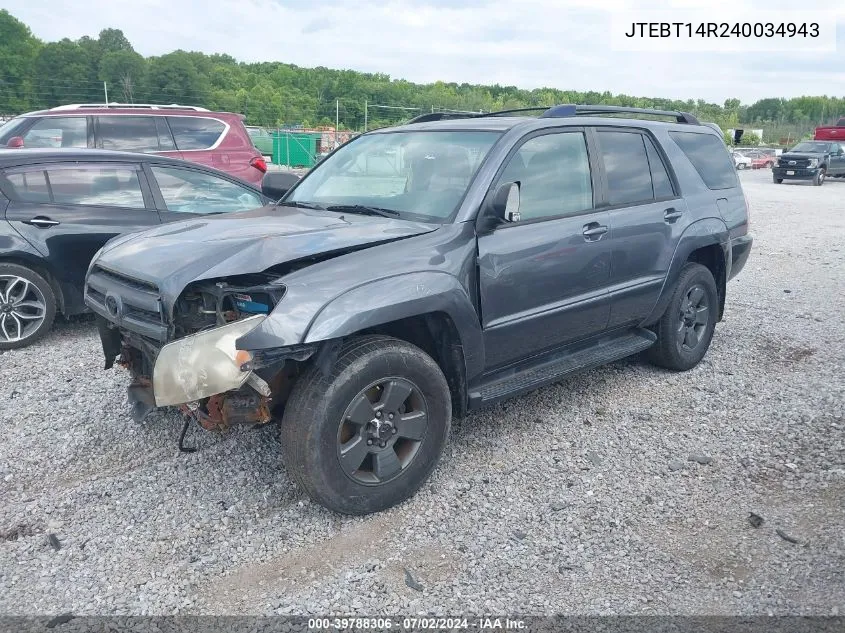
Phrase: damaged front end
(197,367)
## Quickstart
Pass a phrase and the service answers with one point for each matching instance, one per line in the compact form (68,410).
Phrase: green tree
(125,72)
(114,41)
(18,51)
(173,78)
(62,74)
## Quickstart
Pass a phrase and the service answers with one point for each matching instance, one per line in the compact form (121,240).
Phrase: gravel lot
(579,498)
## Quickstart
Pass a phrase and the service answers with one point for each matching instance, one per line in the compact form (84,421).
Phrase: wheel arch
(428,309)
(706,242)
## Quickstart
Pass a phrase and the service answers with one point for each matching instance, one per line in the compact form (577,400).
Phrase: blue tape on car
(252,307)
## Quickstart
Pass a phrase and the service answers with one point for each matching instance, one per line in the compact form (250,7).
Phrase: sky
(564,44)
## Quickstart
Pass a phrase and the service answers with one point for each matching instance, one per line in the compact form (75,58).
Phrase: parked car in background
(58,207)
(741,161)
(262,139)
(811,160)
(215,139)
(425,270)
(831,132)
(760,160)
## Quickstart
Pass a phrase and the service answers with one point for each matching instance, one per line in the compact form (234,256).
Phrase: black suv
(423,271)
(810,160)
(58,207)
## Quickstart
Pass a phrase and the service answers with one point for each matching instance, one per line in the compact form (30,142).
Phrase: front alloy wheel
(381,431)
(364,434)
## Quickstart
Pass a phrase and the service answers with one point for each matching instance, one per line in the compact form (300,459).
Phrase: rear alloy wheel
(366,433)
(686,328)
(741,166)
(818,181)
(27,306)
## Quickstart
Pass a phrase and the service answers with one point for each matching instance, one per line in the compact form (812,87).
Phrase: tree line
(36,75)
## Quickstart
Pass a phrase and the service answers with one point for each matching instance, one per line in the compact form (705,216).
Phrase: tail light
(259,163)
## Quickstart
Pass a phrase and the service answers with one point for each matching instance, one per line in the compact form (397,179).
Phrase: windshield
(418,175)
(811,147)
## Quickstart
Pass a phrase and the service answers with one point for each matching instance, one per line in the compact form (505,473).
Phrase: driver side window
(553,172)
(190,191)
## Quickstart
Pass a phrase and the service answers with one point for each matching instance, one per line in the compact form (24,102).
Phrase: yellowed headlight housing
(203,364)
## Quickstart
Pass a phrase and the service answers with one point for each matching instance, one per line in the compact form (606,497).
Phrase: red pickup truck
(831,132)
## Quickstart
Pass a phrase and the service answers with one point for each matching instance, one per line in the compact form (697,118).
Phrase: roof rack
(562,111)
(139,106)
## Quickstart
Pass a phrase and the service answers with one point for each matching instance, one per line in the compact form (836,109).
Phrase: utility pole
(106,91)
(336,119)
(365,115)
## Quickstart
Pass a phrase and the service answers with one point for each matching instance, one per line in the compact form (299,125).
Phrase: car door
(179,191)
(647,219)
(67,211)
(837,159)
(543,279)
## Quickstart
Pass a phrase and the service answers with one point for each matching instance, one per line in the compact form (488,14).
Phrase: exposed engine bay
(199,370)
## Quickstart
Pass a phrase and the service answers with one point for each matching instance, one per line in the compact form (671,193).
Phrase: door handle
(593,231)
(41,222)
(671,214)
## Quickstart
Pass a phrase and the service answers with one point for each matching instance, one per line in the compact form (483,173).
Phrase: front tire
(367,433)
(818,181)
(741,166)
(27,306)
(686,328)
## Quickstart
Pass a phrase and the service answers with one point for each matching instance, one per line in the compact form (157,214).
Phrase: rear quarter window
(708,155)
(195,132)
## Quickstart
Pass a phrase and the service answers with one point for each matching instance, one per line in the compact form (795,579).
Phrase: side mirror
(16,142)
(503,208)
(275,184)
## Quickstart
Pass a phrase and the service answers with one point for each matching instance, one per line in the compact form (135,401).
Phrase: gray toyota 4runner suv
(423,271)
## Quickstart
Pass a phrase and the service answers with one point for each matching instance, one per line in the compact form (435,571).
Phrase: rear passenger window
(128,133)
(27,187)
(659,176)
(626,164)
(708,155)
(554,175)
(194,132)
(99,185)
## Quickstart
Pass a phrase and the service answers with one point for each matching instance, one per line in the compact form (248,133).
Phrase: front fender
(393,298)
(704,232)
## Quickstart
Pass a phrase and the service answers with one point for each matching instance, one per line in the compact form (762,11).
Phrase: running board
(552,368)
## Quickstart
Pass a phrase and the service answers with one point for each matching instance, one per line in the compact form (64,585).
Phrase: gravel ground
(584,497)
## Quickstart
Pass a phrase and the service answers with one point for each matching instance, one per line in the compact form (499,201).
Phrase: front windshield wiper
(364,209)
(301,205)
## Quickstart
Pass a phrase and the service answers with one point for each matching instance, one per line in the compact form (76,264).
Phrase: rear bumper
(798,173)
(740,250)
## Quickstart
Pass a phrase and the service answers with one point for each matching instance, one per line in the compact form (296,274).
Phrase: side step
(551,368)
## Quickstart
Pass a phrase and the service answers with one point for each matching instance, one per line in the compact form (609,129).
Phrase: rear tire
(741,166)
(353,439)
(27,306)
(777,180)
(686,328)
